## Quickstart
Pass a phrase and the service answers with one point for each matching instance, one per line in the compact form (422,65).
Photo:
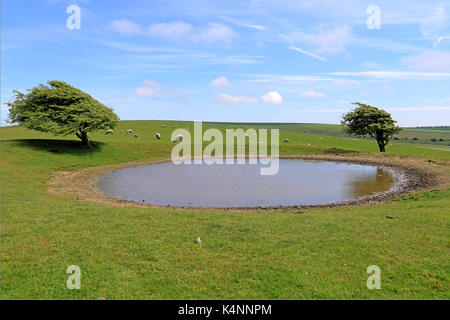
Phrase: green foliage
(366,120)
(60,109)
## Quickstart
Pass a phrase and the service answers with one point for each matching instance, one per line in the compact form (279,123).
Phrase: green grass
(423,135)
(127,252)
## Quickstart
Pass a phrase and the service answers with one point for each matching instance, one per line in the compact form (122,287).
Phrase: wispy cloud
(227,99)
(429,60)
(220,82)
(308,53)
(151,87)
(328,39)
(422,108)
(243,24)
(312,94)
(394,75)
(178,31)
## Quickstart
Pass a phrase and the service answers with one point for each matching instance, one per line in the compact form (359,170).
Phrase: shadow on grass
(59,146)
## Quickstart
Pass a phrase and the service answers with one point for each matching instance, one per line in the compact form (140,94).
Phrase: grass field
(439,136)
(129,252)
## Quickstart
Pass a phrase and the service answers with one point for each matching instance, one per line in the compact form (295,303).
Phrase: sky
(241,61)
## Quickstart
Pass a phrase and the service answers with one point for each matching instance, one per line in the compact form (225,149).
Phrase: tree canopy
(366,120)
(61,109)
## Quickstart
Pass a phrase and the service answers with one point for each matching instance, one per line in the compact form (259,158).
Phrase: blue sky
(278,61)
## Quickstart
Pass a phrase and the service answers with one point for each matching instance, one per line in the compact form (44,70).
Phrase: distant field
(131,252)
(440,135)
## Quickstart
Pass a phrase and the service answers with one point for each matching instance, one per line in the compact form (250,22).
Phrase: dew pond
(298,182)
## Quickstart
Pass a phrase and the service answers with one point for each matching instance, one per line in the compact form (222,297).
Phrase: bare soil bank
(415,175)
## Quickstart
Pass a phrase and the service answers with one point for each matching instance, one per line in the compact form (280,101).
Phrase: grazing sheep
(121,131)
(158,136)
(129,131)
(286,140)
(109,131)
(163,126)
(136,135)
(178,138)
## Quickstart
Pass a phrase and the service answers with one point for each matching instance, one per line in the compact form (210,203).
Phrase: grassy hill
(131,252)
(439,136)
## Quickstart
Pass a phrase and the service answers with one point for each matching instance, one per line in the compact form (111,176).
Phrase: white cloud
(214,33)
(346,82)
(173,30)
(227,99)
(395,75)
(178,31)
(272,97)
(312,94)
(434,24)
(423,108)
(429,60)
(308,53)
(445,100)
(243,24)
(332,40)
(153,88)
(329,39)
(125,27)
(370,65)
(143,91)
(220,82)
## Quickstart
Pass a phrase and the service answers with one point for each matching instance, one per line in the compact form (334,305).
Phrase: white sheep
(109,131)
(158,135)
(178,138)
(129,131)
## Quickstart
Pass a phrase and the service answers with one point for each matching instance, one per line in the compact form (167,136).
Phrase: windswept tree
(61,109)
(366,120)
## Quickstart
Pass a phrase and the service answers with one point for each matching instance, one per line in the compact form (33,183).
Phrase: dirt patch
(415,175)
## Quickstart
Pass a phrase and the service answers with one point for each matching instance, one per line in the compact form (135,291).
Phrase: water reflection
(373,182)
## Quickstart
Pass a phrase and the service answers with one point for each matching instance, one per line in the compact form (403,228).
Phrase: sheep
(158,135)
(109,131)
(178,138)
(286,140)
(163,126)
(129,131)
(136,135)
(121,131)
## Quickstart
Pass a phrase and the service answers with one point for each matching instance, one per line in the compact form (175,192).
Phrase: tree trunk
(84,138)
(381,146)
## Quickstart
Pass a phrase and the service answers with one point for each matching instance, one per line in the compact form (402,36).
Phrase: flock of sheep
(178,138)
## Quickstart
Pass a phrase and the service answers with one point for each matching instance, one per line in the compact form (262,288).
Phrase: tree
(367,120)
(61,109)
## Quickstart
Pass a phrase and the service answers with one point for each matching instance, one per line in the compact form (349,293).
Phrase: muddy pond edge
(419,175)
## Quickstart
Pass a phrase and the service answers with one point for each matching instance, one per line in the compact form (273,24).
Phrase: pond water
(297,182)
